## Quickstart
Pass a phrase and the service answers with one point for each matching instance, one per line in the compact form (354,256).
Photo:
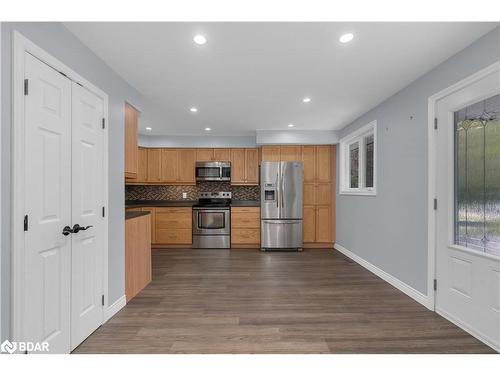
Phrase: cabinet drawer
(173,218)
(245,217)
(245,236)
(176,237)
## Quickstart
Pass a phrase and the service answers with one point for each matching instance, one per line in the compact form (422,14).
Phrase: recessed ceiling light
(200,39)
(346,38)
(306,100)
(291,125)
(208,129)
(148,129)
(193,109)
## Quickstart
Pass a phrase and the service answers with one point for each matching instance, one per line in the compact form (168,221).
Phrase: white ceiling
(251,76)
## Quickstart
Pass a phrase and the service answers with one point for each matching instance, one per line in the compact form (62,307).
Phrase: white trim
(431,172)
(467,328)
(116,306)
(21,45)
(358,136)
(395,282)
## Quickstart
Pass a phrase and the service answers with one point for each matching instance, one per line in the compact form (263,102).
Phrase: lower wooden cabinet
(245,227)
(318,225)
(137,254)
(173,226)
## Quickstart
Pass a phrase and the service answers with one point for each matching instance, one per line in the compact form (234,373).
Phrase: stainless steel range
(212,221)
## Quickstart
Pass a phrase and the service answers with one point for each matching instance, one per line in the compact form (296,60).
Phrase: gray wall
(390,230)
(58,41)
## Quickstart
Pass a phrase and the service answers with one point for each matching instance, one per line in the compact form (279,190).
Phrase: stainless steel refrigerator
(281,205)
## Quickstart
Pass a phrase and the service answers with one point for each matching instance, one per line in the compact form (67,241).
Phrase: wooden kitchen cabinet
(173,226)
(309,224)
(204,154)
(324,160)
(222,154)
(271,153)
(137,255)
(309,160)
(169,165)
(244,166)
(154,165)
(187,161)
(245,227)
(324,228)
(291,153)
(131,146)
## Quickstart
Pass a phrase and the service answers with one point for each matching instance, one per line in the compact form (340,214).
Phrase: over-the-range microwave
(213,171)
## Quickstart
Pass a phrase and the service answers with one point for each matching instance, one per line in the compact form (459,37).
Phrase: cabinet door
(222,154)
(324,194)
(187,159)
(323,224)
(309,160)
(252,166)
(324,163)
(309,194)
(142,171)
(154,164)
(173,225)
(309,224)
(131,149)
(291,153)
(204,154)
(270,153)
(169,165)
(237,166)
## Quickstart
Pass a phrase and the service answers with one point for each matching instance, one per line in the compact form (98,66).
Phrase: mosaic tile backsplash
(174,192)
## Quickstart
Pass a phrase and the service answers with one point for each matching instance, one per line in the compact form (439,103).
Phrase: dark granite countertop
(186,203)
(134,214)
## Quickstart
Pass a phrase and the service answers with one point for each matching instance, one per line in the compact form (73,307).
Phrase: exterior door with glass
(468,208)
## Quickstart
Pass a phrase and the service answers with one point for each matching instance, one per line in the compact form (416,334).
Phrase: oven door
(208,221)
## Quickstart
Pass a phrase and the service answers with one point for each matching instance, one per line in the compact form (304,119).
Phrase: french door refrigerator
(281,205)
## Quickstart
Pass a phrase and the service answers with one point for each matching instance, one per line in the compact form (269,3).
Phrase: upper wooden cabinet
(319,163)
(213,154)
(271,153)
(169,165)
(244,166)
(154,165)
(291,153)
(131,147)
(186,163)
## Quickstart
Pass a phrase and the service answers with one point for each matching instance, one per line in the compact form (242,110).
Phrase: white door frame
(432,180)
(21,45)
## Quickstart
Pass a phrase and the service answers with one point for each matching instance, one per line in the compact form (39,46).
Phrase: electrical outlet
(184,195)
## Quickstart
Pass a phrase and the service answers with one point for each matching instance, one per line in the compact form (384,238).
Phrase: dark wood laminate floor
(245,301)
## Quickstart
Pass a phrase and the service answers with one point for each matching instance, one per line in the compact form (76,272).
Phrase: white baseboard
(468,329)
(114,308)
(395,282)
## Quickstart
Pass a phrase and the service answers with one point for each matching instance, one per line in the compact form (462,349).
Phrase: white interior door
(468,214)
(87,203)
(47,254)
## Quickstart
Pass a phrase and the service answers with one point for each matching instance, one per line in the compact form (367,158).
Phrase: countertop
(186,203)
(134,214)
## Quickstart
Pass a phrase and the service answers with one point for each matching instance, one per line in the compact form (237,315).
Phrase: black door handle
(76,228)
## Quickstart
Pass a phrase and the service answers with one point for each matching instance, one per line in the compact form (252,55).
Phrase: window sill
(370,193)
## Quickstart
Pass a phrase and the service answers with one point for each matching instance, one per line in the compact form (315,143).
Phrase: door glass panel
(211,220)
(477,176)
(354,165)
(369,161)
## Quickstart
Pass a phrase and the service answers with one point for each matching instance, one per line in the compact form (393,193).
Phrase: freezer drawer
(281,234)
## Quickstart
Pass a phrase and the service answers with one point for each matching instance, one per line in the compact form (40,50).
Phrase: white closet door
(47,254)
(87,203)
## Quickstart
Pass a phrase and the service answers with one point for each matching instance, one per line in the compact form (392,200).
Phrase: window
(358,155)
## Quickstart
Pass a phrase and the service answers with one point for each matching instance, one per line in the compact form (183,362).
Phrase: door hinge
(25,223)
(102,299)
(103,212)
(435,284)
(103,123)
(435,123)
(25,87)
(435,204)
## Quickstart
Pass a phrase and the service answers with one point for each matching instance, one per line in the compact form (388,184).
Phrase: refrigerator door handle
(277,192)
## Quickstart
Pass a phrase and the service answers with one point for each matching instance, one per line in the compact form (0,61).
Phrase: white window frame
(358,136)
